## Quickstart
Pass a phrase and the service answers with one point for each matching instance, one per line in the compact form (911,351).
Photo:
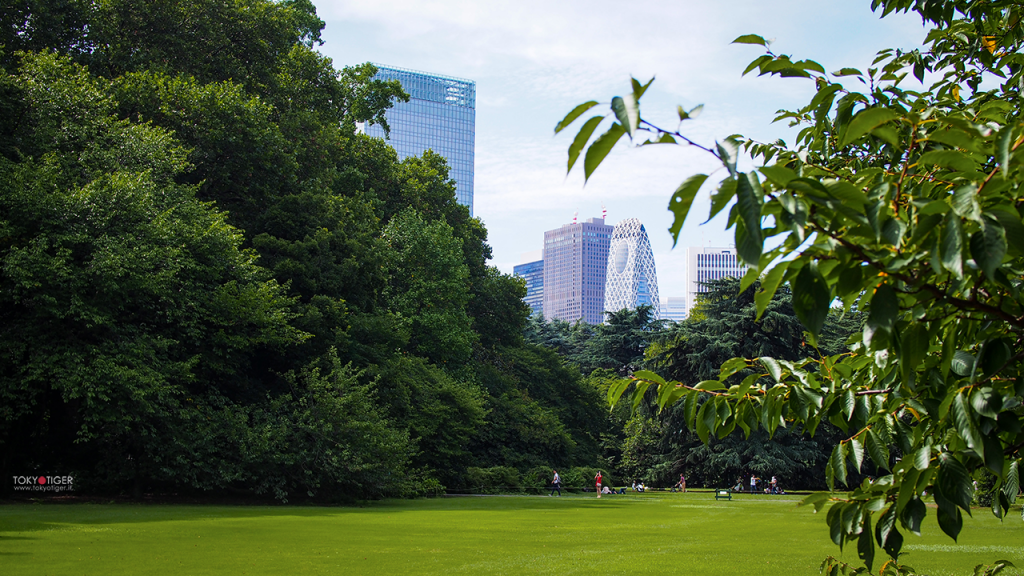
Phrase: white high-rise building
(703,264)
(631,279)
(674,309)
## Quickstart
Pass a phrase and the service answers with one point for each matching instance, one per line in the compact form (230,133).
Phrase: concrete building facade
(703,264)
(674,309)
(575,267)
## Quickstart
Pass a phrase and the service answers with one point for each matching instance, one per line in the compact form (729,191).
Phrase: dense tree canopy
(209,281)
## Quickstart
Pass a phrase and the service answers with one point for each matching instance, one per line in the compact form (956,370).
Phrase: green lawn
(630,534)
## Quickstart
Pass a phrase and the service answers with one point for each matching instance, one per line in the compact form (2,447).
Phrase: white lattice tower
(631,270)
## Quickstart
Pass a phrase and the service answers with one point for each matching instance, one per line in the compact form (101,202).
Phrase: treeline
(210,283)
(656,447)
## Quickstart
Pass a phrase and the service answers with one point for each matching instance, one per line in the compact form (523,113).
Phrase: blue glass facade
(441,116)
(533,273)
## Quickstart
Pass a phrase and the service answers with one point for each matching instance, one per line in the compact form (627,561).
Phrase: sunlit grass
(649,533)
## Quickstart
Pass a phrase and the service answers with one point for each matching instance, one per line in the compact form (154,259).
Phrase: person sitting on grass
(607,490)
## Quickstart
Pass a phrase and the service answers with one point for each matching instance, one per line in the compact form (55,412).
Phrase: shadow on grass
(41,516)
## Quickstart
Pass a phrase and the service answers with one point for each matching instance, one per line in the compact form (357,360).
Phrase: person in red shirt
(597,480)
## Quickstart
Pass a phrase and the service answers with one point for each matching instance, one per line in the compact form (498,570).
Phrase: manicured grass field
(652,533)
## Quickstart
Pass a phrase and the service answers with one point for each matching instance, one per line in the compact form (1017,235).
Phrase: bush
(539,478)
(495,480)
(583,477)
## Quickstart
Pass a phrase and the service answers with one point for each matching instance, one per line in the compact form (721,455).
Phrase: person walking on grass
(556,484)
(597,481)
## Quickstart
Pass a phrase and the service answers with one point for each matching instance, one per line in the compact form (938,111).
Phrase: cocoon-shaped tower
(631,279)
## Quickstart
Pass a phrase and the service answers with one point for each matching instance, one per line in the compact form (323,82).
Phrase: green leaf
(627,113)
(923,457)
(772,366)
(720,198)
(692,114)
(883,311)
(846,193)
(747,383)
(710,385)
(581,140)
(572,116)
(817,499)
(952,159)
(837,463)
(962,363)
(877,450)
(616,389)
(1011,486)
(811,298)
(681,202)
(731,366)
(1003,149)
(866,543)
(965,423)
(856,451)
(669,394)
(749,206)
(866,121)
(778,174)
(848,72)
(750,39)
(769,285)
(988,246)
(907,490)
(952,245)
(955,482)
(639,393)
(648,375)
(701,421)
(888,536)
(600,148)
(638,89)
(728,153)
(950,520)
(913,514)
(1012,227)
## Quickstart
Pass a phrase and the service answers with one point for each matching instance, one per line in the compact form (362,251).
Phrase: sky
(533,61)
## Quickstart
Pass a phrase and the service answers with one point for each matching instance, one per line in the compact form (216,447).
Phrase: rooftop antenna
(574,215)
(604,212)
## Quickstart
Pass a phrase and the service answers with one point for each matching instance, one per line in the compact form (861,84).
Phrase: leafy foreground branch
(902,203)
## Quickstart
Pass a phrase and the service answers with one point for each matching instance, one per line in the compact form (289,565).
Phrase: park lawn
(652,533)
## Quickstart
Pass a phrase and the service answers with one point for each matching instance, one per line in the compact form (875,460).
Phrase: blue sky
(533,61)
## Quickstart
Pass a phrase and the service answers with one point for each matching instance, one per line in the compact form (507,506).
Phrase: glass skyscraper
(441,116)
(531,269)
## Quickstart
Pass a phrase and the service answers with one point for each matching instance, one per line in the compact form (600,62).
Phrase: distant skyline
(534,61)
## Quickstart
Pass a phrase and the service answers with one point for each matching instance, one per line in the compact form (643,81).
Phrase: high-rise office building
(575,266)
(531,269)
(441,116)
(703,264)
(631,279)
(674,309)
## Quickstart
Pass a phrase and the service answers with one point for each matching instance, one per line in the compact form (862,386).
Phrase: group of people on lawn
(756,485)
(556,485)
